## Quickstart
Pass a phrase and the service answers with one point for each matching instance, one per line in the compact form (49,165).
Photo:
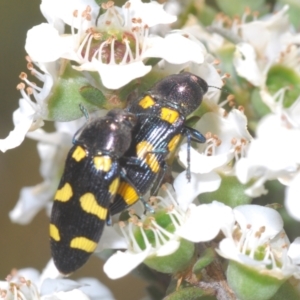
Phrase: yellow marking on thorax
(169,115)
(128,193)
(174,142)
(143,150)
(147,102)
(79,153)
(54,232)
(64,194)
(83,243)
(113,187)
(102,163)
(89,204)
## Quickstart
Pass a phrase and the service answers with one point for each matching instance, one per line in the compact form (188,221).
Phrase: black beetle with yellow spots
(88,185)
(161,113)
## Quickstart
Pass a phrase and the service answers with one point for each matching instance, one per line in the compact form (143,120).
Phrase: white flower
(227,138)
(115,47)
(274,154)
(29,284)
(254,57)
(198,223)
(29,116)
(52,148)
(258,241)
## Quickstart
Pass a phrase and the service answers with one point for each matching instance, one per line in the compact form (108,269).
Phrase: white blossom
(257,240)
(274,154)
(254,57)
(209,219)
(227,139)
(29,284)
(30,114)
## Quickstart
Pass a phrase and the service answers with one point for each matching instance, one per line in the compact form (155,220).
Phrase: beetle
(161,114)
(88,185)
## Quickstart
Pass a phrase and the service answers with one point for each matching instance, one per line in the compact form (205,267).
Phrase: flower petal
(186,192)
(168,248)
(294,251)
(229,250)
(204,218)
(147,11)
(175,49)
(259,217)
(31,201)
(201,163)
(115,76)
(245,63)
(23,118)
(292,198)
(121,263)
(94,289)
(43,43)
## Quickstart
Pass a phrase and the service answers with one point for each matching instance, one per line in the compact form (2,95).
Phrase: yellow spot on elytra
(90,205)
(113,187)
(84,244)
(174,142)
(54,233)
(128,193)
(146,102)
(143,150)
(64,194)
(102,163)
(169,115)
(79,153)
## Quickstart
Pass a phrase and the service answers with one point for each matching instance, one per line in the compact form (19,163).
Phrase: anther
(21,86)
(216,62)
(27,57)
(262,229)
(23,76)
(29,66)
(241,108)
(208,135)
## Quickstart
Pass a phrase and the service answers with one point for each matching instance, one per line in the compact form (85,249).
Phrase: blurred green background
(28,246)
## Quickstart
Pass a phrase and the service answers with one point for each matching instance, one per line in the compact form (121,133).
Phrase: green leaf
(191,293)
(173,263)
(93,96)
(280,76)
(231,192)
(249,284)
(63,103)
(207,257)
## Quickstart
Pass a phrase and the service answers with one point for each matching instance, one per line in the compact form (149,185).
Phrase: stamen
(86,41)
(135,245)
(162,230)
(112,52)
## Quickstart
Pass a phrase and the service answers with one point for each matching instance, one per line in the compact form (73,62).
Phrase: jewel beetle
(161,114)
(88,185)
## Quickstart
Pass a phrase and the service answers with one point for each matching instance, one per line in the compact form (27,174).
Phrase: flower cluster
(103,56)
